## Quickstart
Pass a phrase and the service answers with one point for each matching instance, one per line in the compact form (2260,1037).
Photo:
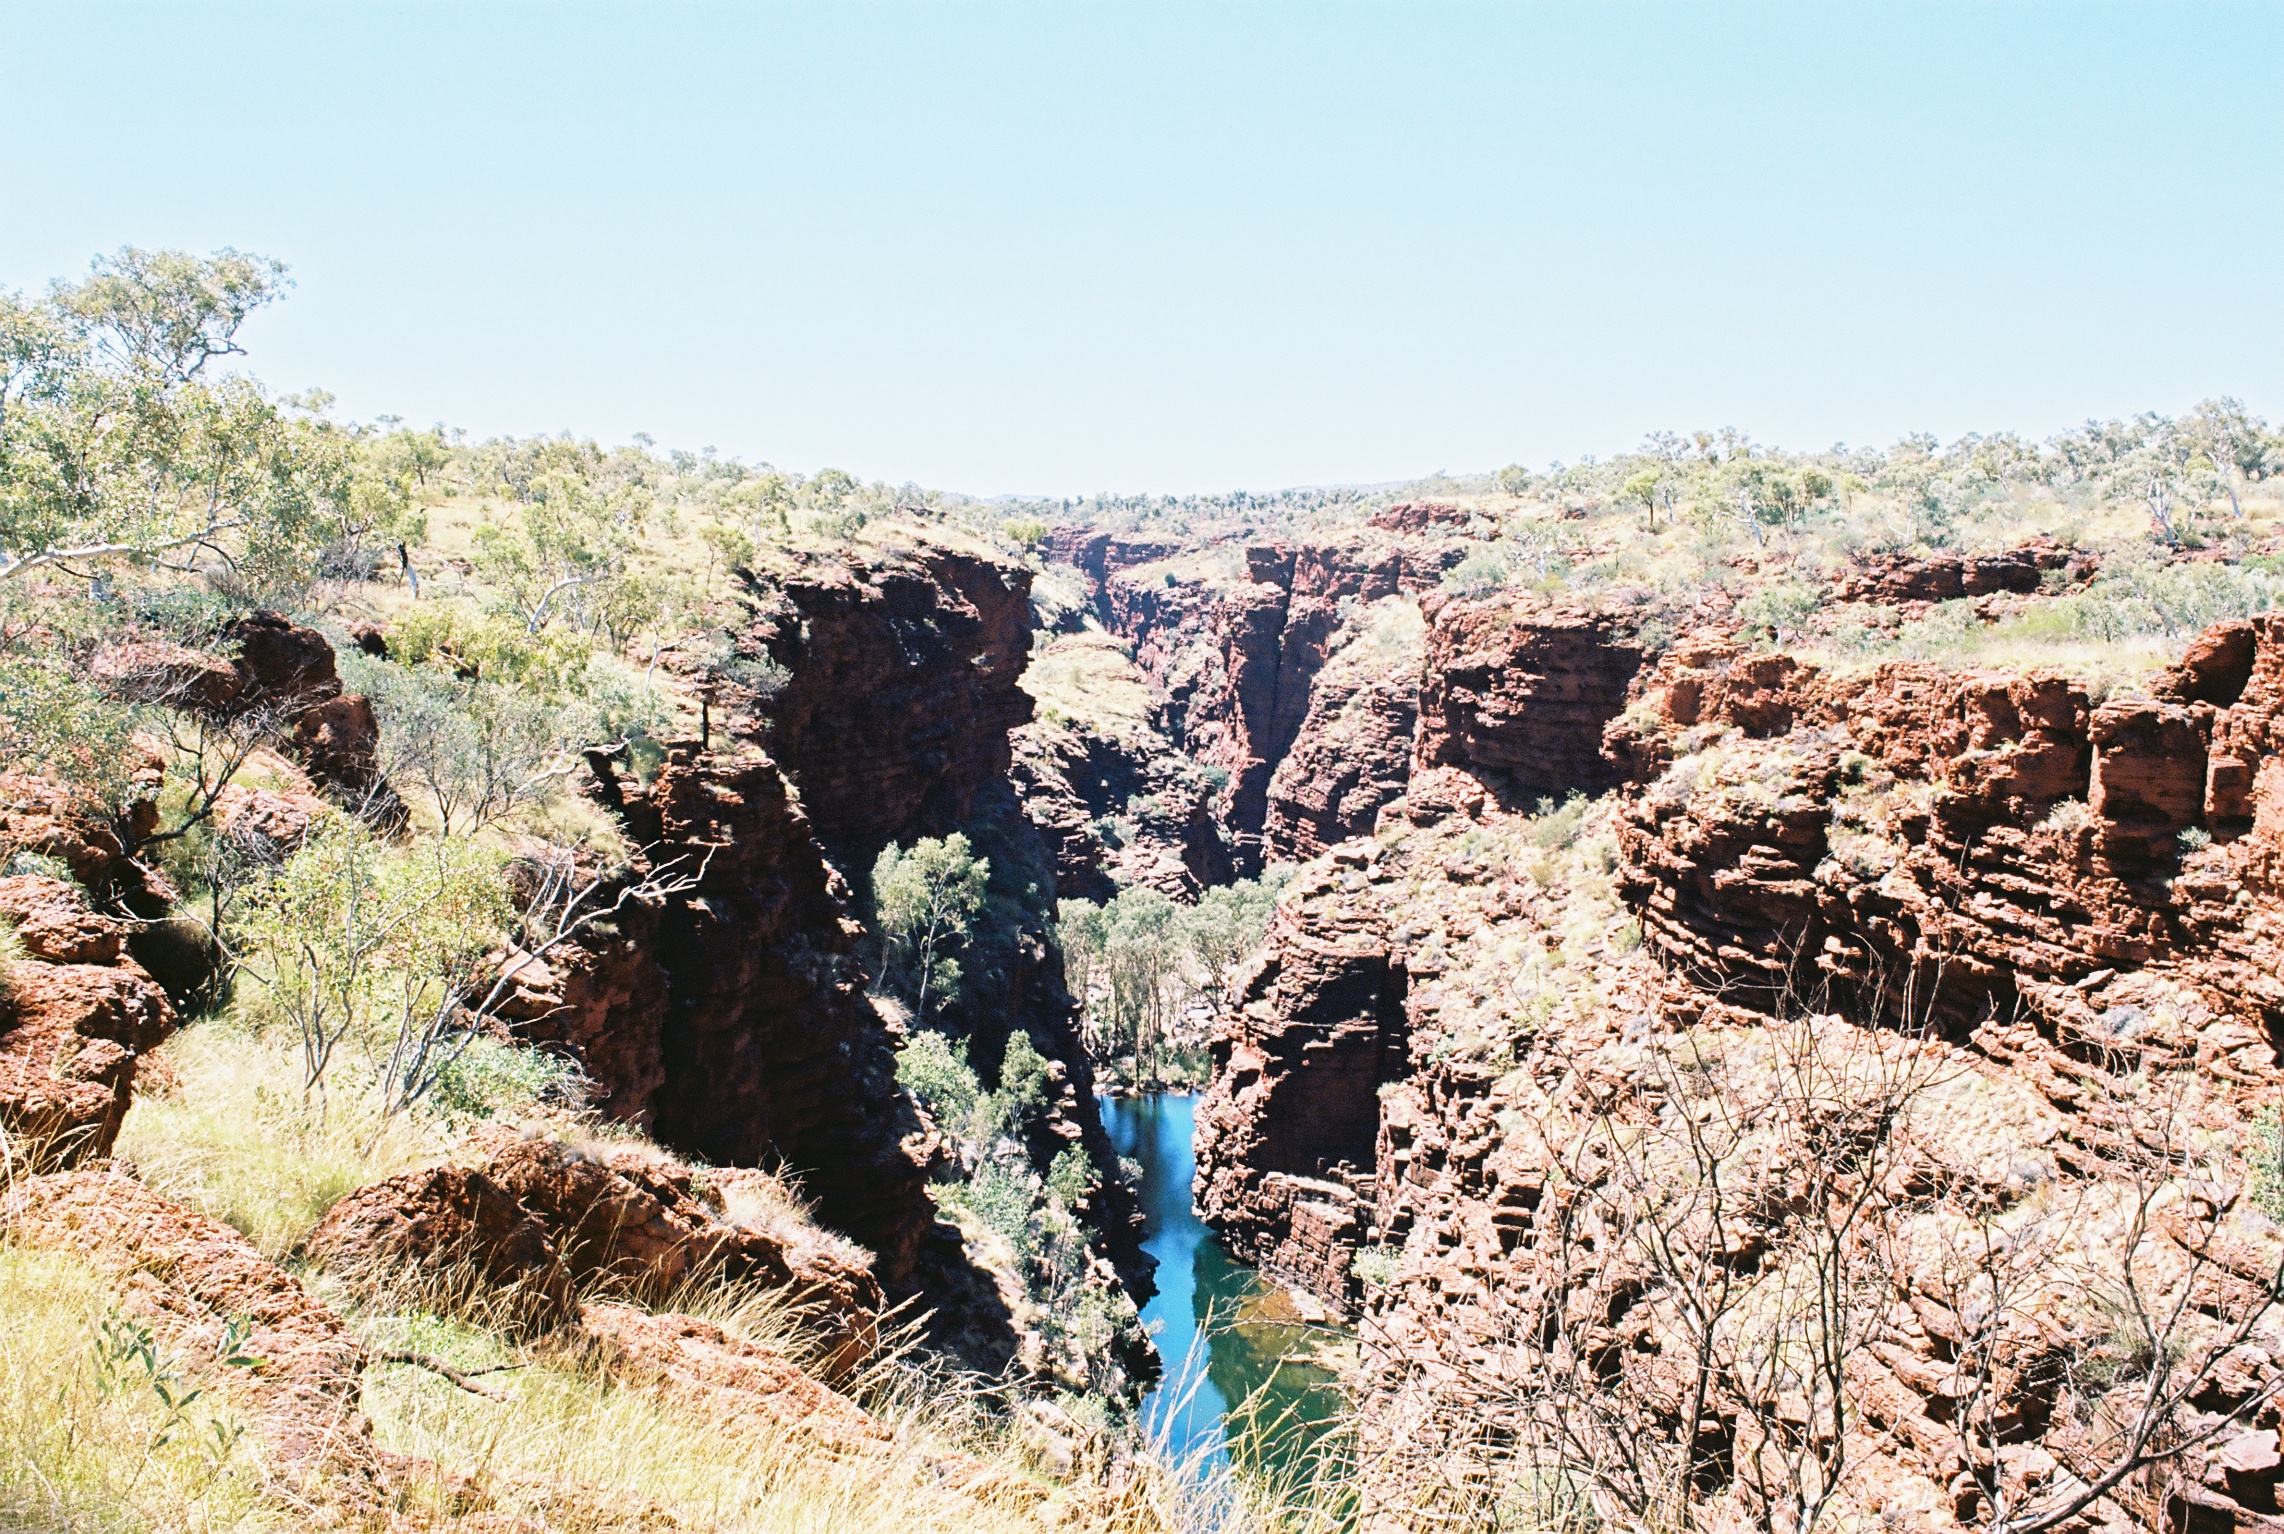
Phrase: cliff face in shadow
(733,1019)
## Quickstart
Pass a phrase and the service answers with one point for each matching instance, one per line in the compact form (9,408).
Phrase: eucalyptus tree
(121,442)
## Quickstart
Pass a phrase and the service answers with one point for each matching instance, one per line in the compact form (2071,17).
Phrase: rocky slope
(1994,902)
(730,1019)
(1353,751)
(1116,801)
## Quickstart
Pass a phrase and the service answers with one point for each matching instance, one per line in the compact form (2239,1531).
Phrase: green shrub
(936,1072)
(1786,606)
(54,719)
(1376,1267)
(2266,1153)
(1558,826)
(1004,1201)
(1478,575)
(490,1077)
(40,863)
(1071,1175)
(1024,1082)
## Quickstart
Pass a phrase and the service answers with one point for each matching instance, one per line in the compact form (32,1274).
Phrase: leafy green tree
(569,543)
(56,722)
(116,445)
(925,899)
(1080,926)
(357,942)
(764,501)
(2230,440)
(730,547)
(1142,952)
(474,749)
(828,489)
(1227,924)
(1641,489)
(936,1071)
(1140,961)
(400,452)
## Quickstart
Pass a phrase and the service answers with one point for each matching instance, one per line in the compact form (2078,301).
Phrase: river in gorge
(1247,1380)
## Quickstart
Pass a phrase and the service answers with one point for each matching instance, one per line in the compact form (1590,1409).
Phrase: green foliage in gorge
(925,899)
(1038,1214)
(1140,962)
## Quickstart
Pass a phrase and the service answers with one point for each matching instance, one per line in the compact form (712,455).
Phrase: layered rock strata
(1232,641)
(2002,903)
(1293,1115)
(1352,754)
(1116,802)
(732,1019)
(548,1220)
(1517,698)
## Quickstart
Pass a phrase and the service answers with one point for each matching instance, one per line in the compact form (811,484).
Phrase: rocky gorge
(1603,935)
(1699,1063)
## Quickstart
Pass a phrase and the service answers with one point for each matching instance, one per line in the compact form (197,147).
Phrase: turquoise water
(1229,1340)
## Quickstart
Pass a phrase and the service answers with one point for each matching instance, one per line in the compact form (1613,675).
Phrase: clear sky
(1068,247)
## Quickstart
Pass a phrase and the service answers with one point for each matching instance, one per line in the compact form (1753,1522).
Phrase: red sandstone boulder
(1947,577)
(2214,669)
(49,818)
(548,1219)
(279,818)
(739,1385)
(453,1223)
(1421,517)
(159,671)
(2148,775)
(282,664)
(338,741)
(68,1042)
(53,921)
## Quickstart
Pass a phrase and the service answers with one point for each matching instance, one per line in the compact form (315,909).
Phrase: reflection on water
(1260,1392)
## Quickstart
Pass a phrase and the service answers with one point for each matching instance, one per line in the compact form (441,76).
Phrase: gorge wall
(732,1019)
(1233,639)
(2027,896)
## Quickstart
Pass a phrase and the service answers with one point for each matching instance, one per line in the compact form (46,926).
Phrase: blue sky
(1060,248)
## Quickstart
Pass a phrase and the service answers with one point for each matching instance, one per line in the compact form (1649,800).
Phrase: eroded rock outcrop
(1516,696)
(1990,839)
(76,1012)
(1353,752)
(902,688)
(1097,773)
(190,1278)
(1233,648)
(296,1377)
(549,1220)
(1946,577)
(731,1016)
(2034,920)
(1293,1116)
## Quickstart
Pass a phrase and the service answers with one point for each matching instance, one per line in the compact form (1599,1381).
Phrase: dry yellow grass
(86,1443)
(235,1138)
